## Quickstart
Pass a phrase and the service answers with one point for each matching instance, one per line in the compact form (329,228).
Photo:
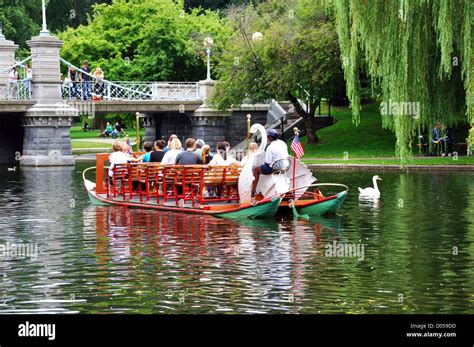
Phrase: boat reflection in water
(206,263)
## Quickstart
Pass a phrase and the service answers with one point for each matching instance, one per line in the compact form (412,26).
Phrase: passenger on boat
(168,147)
(175,149)
(118,156)
(199,144)
(128,147)
(188,157)
(252,151)
(145,158)
(276,151)
(221,158)
(157,155)
(206,154)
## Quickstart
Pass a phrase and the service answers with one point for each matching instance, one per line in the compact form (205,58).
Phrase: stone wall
(232,128)
(236,127)
(173,123)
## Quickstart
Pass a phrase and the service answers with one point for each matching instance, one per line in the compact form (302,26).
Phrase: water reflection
(97,259)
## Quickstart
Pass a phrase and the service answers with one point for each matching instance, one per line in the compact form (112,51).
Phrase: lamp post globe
(257,36)
(208,43)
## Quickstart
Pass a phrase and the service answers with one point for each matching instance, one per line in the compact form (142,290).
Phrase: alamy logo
(37,330)
(342,250)
(11,250)
(400,108)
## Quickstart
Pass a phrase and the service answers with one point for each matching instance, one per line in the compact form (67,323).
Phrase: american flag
(296,147)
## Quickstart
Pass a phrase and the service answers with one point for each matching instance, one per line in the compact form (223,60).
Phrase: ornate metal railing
(16,90)
(129,91)
(101,89)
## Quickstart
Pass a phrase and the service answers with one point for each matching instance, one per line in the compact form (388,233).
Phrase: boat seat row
(181,183)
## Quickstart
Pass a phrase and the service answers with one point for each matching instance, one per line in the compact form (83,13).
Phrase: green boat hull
(96,201)
(325,207)
(260,211)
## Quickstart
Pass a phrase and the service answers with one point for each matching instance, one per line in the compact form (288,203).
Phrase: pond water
(415,252)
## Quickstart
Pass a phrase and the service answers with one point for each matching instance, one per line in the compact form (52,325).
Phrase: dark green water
(418,252)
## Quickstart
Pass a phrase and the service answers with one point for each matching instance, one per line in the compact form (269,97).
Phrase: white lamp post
(44,31)
(1,31)
(208,43)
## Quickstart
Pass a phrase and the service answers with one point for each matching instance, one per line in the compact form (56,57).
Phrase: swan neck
(376,187)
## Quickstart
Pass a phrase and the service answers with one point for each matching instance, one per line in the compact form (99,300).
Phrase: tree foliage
(69,13)
(298,55)
(417,51)
(145,40)
(21,20)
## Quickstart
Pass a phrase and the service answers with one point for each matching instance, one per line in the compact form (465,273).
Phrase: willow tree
(418,51)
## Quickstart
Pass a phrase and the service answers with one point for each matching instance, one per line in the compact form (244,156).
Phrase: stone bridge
(36,116)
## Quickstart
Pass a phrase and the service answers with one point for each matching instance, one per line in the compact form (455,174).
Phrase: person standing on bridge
(86,80)
(73,85)
(99,83)
(27,80)
(12,83)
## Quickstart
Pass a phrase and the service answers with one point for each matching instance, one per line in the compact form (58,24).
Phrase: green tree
(297,58)
(21,20)
(417,51)
(212,4)
(69,13)
(145,40)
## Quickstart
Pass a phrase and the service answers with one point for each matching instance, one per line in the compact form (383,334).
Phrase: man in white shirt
(277,150)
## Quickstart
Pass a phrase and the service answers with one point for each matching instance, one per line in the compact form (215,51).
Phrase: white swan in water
(371,192)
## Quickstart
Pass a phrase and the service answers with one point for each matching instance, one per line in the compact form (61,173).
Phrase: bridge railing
(16,91)
(19,89)
(102,89)
(129,91)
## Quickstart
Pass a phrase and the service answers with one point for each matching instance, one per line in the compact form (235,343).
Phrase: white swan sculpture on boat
(371,191)
(271,185)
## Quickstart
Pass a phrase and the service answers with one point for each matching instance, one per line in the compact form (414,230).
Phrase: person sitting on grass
(118,130)
(108,130)
(188,157)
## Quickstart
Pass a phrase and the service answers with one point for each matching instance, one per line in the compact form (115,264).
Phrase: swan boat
(221,191)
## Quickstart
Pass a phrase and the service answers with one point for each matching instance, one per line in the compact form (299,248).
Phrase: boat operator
(276,158)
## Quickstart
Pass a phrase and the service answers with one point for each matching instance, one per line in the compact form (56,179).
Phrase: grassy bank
(368,140)
(394,161)
(344,143)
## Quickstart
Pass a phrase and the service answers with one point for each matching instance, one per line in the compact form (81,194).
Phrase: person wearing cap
(276,150)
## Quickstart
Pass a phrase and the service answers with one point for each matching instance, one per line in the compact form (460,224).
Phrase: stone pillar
(7,59)
(150,128)
(47,140)
(207,123)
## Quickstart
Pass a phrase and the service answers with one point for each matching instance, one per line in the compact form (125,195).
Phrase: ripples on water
(95,259)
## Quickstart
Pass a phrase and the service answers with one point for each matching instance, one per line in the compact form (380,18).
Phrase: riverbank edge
(390,167)
(355,167)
